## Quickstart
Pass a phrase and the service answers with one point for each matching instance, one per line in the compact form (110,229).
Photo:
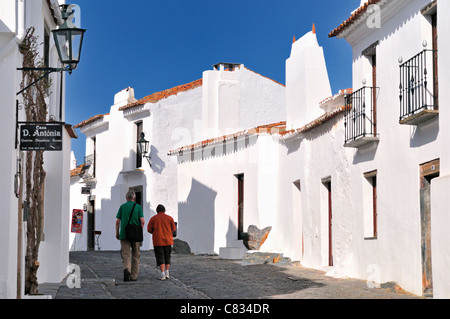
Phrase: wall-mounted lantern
(68,40)
(142,145)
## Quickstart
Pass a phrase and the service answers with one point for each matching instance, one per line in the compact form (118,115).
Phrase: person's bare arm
(117,227)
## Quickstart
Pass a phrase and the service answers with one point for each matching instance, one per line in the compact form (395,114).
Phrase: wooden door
(428,171)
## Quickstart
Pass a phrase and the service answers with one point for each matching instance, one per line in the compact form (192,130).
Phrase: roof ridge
(265,76)
(157,96)
(353,17)
(90,120)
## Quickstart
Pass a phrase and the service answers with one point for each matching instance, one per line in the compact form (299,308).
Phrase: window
(138,153)
(419,89)
(434,35)
(361,107)
(370,205)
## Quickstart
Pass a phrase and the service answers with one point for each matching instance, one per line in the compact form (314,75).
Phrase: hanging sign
(77,221)
(41,137)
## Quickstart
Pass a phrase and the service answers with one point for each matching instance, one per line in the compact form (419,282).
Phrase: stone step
(253,257)
(231,252)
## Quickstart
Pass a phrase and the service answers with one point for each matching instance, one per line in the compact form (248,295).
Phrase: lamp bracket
(48,71)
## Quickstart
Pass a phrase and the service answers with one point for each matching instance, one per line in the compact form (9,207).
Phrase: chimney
(124,97)
(307,81)
(224,66)
(221,99)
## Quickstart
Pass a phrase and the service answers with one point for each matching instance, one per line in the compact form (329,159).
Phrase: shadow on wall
(424,134)
(232,233)
(218,149)
(196,221)
(158,164)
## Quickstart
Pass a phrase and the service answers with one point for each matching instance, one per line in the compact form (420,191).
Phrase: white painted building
(397,58)
(15,18)
(169,119)
(355,184)
(253,176)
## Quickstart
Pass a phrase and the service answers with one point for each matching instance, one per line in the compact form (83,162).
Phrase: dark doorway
(91,226)
(240,178)
(138,191)
(327,183)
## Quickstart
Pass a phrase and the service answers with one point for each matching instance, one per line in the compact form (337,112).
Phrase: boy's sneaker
(167,274)
(163,276)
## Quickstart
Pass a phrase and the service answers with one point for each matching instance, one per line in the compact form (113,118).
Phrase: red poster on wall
(77,221)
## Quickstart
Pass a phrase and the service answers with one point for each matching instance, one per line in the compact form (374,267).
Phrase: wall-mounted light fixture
(68,41)
(142,145)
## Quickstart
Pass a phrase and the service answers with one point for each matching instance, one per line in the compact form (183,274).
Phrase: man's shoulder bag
(134,232)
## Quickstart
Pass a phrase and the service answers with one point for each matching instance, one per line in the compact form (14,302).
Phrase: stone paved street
(208,277)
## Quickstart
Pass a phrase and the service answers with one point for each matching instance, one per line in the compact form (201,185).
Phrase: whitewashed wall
(207,183)
(231,102)
(15,18)
(9,61)
(440,221)
(166,123)
(396,253)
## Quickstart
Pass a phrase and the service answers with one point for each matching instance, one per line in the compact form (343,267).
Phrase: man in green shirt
(130,259)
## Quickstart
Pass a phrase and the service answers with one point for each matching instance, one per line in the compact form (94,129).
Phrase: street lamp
(142,145)
(68,41)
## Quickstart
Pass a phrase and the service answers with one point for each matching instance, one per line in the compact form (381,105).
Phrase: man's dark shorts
(162,254)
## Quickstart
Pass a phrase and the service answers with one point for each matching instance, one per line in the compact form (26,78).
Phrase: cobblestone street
(209,277)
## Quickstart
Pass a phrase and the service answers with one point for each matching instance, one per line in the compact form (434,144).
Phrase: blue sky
(153,45)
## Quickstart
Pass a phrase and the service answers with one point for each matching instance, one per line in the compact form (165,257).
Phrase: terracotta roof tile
(155,97)
(76,171)
(355,15)
(90,120)
(275,128)
(319,121)
(278,128)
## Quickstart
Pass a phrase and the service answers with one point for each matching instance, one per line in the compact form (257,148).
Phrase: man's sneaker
(163,276)
(167,274)
(126,275)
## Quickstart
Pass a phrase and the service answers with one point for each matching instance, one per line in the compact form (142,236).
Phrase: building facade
(352,183)
(399,150)
(169,119)
(16,17)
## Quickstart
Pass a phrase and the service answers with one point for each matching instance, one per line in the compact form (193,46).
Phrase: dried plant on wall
(34,99)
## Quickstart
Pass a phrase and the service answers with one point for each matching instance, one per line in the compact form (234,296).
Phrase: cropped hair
(130,195)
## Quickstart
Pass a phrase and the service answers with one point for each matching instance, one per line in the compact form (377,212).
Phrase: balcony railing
(360,117)
(88,171)
(418,88)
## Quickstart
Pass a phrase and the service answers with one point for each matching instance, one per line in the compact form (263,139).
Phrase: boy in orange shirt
(162,227)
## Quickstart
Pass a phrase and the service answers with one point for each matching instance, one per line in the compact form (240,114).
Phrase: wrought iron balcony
(88,171)
(360,117)
(418,88)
